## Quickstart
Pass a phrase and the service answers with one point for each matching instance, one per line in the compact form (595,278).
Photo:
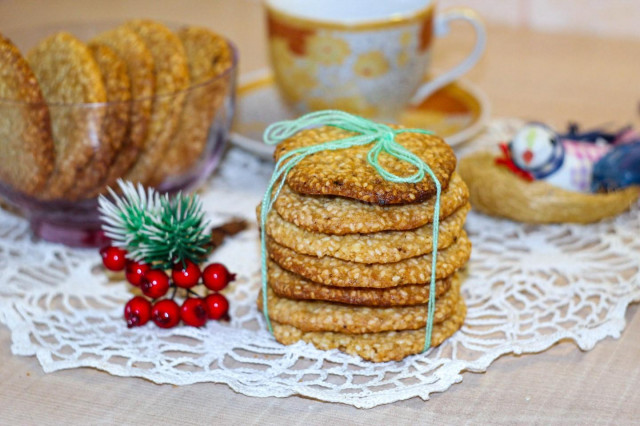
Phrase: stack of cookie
(350,253)
(135,102)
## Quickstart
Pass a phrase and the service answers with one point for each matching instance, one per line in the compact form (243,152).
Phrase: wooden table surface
(548,77)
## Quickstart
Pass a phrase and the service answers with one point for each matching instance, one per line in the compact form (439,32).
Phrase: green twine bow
(383,139)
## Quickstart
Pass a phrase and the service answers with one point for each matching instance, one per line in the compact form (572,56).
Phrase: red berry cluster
(155,284)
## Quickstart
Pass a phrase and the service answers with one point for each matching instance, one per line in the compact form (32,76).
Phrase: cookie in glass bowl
(87,104)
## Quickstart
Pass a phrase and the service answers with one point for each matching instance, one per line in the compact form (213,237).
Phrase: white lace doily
(527,287)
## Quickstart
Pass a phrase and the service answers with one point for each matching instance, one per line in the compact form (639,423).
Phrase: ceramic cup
(368,57)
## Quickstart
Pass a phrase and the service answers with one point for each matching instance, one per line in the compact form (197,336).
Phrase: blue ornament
(618,169)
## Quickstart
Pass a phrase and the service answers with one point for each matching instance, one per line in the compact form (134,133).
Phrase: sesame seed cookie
(376,347)
(316,315)
(118,88)
(25,131)
(68,75)
(137,57)
(339,273)
(292,286)
(339,216)
(378,247)
(208,57)
(171,76)
(347,173)
(208,53)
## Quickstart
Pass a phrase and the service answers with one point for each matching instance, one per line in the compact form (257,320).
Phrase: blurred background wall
(615,18)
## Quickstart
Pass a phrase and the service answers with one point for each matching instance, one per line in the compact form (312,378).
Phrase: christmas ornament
(186,276)
(135,272)
(217,305)
(154,228)
(619,168)
(524,184)
(113,258)
(155,283)
(216,277)
(194,312)
(137,311)
(156,235)
(574,161)
(165,313)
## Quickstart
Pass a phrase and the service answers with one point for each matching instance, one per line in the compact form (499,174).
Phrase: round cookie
(379,247)
(68,75)
(118,88)
(318,315)
(346,172)
(133,51)
(171,76)
(208,53)
(25,130)
(208,57)
(339,216)
(292,286)
(339,273)
(376,347)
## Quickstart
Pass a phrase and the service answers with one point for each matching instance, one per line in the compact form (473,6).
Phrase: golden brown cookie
(208,53)
(316,315)
(339,216)
(340,273)
(209,58)
(25,126)
(68,75)
(133,51)
(118,87)
(376,347)
(346,172)
(292,286)
(378,247)
(171,76)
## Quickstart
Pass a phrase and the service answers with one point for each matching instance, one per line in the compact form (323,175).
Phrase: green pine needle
(154,228)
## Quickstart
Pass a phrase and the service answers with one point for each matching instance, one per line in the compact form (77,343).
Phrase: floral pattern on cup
(327,50)
(371,64)
(367,71)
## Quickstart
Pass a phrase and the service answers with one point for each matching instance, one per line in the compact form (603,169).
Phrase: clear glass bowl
(193,125)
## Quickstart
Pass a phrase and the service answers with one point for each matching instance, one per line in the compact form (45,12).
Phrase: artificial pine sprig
(153,228)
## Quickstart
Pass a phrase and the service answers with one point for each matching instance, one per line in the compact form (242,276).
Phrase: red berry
(186,277)
(137,311)
(155,283)
(113,258)
(135,272)
(217,305)
(165,313)
(193,312)
(216,276)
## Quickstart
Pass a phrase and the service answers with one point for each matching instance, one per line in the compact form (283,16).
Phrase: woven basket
(496,191)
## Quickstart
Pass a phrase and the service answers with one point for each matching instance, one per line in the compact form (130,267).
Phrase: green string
(368,132)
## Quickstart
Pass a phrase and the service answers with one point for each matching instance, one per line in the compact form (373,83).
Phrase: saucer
(456,112)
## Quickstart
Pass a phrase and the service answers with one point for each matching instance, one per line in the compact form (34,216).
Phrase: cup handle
(441,28)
